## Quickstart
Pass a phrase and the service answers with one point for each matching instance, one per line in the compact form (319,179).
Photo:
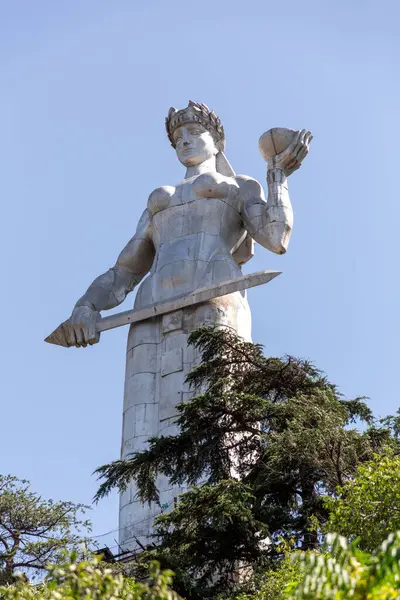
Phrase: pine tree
(268,438)
(35,531)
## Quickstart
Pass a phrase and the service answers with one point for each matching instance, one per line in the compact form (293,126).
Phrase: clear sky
(85,90)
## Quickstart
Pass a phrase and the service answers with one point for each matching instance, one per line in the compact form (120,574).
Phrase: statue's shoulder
(248,186)
(159,198)
(247,181)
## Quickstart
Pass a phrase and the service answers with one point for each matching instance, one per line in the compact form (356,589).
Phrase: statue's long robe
(157,363)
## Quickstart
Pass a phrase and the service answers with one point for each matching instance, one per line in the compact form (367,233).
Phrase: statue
(193,235)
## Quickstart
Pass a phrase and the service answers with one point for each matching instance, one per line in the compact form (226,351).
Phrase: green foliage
(347,572)
(280,428)
(33,531)
(211,525)
(392,422)
(278,577)
(86,580)
(368,506)
(339,572)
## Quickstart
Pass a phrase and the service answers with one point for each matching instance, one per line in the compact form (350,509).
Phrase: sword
(200,295)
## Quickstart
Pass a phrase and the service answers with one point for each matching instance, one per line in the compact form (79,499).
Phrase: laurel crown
(196,113)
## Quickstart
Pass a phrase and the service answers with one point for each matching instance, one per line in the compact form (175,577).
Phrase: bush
(347,572)
(368,506)
(86,580)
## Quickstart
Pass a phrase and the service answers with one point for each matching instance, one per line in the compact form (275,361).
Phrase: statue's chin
(190,161)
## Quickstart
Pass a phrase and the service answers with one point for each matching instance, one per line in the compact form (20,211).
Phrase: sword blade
(200,295)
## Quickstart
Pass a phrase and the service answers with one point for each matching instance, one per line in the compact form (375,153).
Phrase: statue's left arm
(270,222)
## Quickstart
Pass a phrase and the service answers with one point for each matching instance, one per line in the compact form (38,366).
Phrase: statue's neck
(204,167)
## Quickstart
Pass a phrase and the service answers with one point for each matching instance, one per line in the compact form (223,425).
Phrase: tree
(270,435)
(338,572)
(86,580)
(33,531)
(345,571)
(281,575)
(368,506)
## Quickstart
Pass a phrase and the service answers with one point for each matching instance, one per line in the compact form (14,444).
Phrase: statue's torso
(195,228)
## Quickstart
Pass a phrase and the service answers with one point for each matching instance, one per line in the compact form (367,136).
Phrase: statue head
(197,134)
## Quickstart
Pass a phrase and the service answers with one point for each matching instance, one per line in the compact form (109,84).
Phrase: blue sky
(85,90)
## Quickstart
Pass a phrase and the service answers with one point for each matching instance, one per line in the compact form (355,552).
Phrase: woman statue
(191,235)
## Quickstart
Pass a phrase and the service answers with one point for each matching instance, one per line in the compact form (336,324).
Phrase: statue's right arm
(111,288)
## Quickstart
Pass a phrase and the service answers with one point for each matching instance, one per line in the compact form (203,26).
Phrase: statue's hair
(196,113)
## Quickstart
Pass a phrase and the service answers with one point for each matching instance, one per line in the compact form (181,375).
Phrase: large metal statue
(190,242)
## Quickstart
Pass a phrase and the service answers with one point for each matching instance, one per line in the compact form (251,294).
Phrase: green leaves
(269,439)
(368,506)
(34,531)
(343,571)
(210,526)
(87,580)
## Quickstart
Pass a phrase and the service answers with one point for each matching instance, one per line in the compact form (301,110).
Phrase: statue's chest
(192,208)
(193,216)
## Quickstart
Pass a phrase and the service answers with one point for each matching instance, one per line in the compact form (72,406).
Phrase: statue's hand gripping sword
(200,295)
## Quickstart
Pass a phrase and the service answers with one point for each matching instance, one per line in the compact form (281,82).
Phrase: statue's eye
(178,139)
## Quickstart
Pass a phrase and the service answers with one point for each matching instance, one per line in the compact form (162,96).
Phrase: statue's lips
(188,150)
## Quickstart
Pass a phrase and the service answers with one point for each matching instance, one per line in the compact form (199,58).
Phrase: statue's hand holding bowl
(80,329)
(285,148)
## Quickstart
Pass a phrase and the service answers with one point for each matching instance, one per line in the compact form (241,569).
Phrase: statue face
(194,144)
